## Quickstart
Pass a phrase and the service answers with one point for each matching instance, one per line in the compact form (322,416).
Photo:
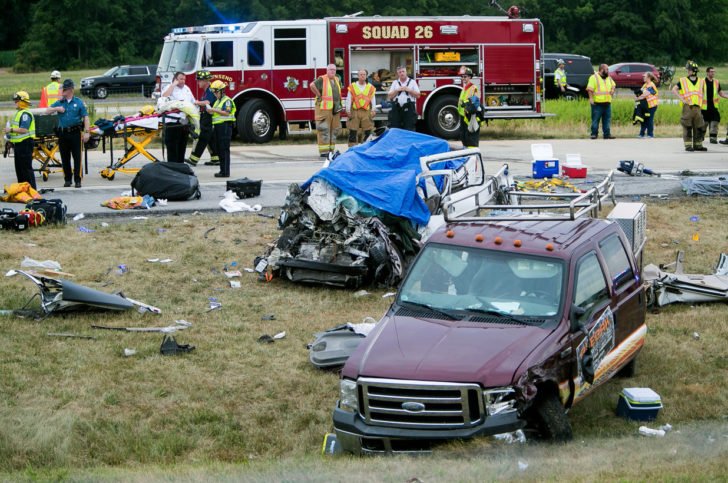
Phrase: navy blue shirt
(75,111)
(210,97)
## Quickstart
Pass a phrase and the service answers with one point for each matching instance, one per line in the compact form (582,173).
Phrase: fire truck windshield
(178,55)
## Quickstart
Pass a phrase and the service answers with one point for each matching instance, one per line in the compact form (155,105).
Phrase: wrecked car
(666,288)
(502,323)
(363,219)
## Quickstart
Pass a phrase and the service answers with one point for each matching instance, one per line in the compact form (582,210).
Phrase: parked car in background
(126,79)
(578,70)
(629,74)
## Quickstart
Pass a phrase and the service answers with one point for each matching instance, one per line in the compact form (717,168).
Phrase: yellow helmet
(21,96)
(147,110)
(218,85)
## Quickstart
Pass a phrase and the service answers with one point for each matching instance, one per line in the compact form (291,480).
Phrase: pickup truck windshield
(460,278)
(178,55)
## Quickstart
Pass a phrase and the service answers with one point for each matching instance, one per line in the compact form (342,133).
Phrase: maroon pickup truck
(498,326)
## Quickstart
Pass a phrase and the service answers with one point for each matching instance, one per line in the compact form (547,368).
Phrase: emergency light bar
(210,29)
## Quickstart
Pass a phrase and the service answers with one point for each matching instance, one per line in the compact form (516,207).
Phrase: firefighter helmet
(147,110)
(560,62)
(204,75)
(21,96)
(218,85)
(466,71)
(691,66)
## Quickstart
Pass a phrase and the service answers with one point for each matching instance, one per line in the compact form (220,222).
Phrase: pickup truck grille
(420,404)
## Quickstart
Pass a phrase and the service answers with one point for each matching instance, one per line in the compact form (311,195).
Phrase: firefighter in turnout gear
(360,109)
(713,93)
(691,91)
(205,140)
(467,109)
(223,117)
(327,90)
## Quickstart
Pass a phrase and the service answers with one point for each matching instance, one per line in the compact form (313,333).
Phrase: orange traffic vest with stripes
(651,99)
(327,94)
(716,96)
(693,94)
(603,92)
(361,97)
(51,93)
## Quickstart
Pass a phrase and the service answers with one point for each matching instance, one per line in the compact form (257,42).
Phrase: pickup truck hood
(438,350)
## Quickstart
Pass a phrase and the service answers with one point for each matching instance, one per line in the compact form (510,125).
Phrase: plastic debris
(183,322)
(235,284)
(268,317)
(166,260)
(645,431)
(666,427)
(696,236)
(232,204)
(104,224)
(522,465)
(233,273)
(129,352)
(696,336)
(249,270)
(78,217)
(361,293)
(84,229)
(47,264)
(162,202)
(140,218)
(161,230)
(11,273)
(389,294)
(695,218)
(280,335)
(214,304)
(153,260)
(517,436)
(122,269)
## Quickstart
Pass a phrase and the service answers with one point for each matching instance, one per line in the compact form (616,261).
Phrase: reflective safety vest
(219,104)
(603,88)
(693,94)
(50,94)
(716,97)
(468,91)
(16,137)
(560,78)
(652,99)
(361,96)
(327,94)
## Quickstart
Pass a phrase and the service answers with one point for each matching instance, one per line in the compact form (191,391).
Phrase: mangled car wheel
(548,421)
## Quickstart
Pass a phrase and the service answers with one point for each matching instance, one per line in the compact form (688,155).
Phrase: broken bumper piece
(309,271)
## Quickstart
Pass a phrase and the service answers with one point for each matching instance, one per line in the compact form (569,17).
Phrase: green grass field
(235,409)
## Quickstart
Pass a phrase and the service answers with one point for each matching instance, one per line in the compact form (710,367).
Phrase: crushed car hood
(438,350)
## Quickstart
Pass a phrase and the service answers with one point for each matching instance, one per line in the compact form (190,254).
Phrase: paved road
(279,165)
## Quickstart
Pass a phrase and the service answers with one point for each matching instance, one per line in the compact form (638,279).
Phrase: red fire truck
(270,64)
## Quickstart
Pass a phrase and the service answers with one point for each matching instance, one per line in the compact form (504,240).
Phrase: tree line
(72,34)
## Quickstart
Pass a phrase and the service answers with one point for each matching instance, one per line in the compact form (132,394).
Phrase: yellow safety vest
(219,118)
(603,88)
(361,97)
(327,94)
(692,94)
(652,99)
(51,93)
(560,80)
(16,137)
(468,91)
(716,97)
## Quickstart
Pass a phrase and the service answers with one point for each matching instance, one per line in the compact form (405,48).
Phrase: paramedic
(21,133)
(73,125)
(713,93)
(52,92)
(175,134)
(327,90)
(205,140)
(403,93)
(469,135)
(223,116)
(691,91)
(360,108)
(651,95)
(601,89)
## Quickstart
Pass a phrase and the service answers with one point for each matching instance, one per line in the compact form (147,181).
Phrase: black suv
(578,70)
(126,79)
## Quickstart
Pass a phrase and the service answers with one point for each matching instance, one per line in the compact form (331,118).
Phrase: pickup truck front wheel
(548,420)
(101,92)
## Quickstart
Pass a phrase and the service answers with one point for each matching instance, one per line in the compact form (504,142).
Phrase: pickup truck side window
(591,288)
(137,71)
(617,260)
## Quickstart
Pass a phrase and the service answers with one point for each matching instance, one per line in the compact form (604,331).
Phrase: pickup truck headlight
(348,399)
(499,400)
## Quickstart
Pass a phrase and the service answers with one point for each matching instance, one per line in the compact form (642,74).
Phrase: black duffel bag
(54,211)
(168,181)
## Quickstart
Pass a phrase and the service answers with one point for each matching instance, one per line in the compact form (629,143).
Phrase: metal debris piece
(69,335)
(678,286)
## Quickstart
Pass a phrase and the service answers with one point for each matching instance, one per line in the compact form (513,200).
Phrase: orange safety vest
(716,97)
(692,94)
(327,94)
(363,99)
(603,90)
(652,99)
(50,94)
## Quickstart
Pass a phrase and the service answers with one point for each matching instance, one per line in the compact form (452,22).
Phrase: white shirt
(180,94)
(403,97)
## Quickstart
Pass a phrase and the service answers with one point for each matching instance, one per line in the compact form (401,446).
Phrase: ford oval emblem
(413,407)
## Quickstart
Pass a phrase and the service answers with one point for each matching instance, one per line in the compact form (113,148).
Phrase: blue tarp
(383,172)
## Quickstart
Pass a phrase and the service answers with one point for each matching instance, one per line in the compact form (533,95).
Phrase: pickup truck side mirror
(575,315)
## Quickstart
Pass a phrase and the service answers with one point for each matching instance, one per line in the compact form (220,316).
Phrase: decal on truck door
(598,342)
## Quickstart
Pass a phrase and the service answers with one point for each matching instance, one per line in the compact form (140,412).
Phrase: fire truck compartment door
(510,64)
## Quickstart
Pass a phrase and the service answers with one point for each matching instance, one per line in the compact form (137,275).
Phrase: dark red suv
(630,74)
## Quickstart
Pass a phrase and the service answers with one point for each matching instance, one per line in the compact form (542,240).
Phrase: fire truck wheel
(442,117)
(257,121)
